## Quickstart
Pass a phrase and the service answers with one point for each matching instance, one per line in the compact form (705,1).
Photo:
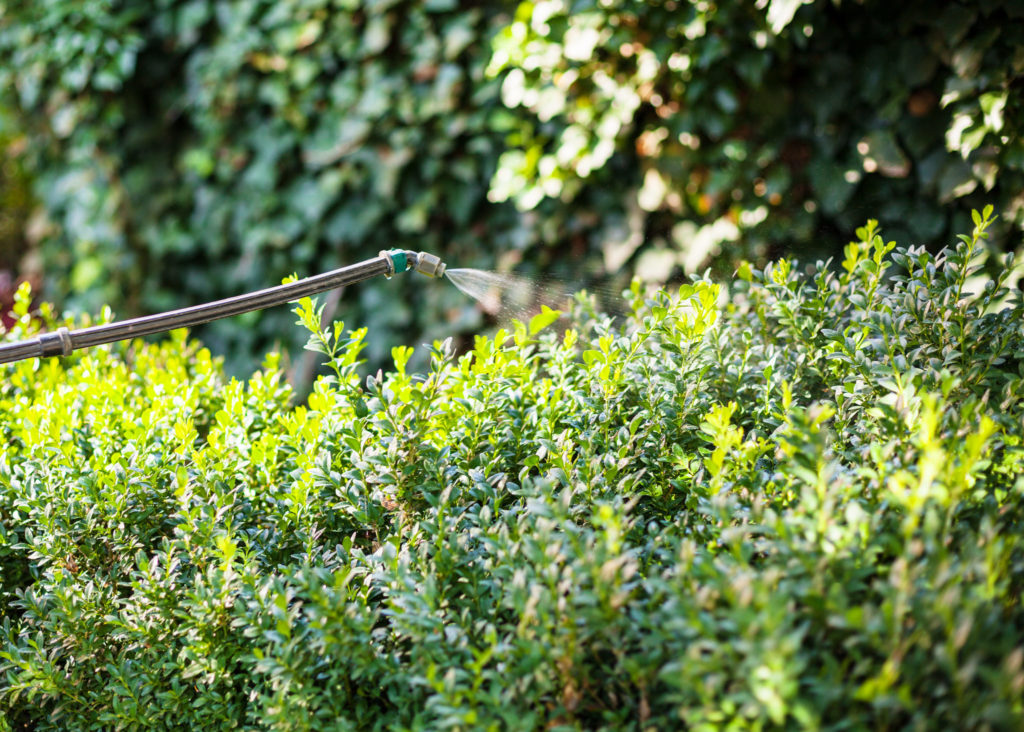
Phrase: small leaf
(543,319)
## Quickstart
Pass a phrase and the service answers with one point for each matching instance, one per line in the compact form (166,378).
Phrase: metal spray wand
(63,341)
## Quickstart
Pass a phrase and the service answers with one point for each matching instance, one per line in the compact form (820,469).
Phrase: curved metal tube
(63,341)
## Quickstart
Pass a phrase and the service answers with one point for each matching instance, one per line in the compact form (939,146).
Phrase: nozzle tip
(430,264)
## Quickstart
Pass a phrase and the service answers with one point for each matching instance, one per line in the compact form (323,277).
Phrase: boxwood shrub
(795,507)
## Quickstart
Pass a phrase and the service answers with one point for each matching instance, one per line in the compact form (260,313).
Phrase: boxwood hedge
(795,507)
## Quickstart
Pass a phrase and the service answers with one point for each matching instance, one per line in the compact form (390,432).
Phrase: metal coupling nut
(57,343)
(430,264)
(395,260)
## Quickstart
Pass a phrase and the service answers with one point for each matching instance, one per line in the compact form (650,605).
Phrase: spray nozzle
(399,260)
(429,264)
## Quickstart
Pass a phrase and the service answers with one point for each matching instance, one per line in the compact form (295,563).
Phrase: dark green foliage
(15,203)
(799,510)
(771,126)
(185,150)
(189,150)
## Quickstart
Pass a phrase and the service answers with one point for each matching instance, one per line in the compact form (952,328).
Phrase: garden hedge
(798,507)
(754,129)
(183,150)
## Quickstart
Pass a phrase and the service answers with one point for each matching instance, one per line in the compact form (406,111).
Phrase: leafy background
(180,151)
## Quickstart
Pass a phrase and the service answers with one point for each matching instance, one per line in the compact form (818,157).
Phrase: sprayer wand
(63,341)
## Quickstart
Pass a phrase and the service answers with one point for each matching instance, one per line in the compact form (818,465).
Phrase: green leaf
(543,319)
(781,12)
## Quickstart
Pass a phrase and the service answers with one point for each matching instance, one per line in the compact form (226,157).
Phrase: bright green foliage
(759,124)
(801,510)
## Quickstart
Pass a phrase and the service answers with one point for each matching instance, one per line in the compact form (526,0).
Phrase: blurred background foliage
(768,128)
(183,150)
(15,207)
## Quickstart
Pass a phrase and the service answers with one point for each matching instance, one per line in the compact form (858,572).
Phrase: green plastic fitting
(397,261)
